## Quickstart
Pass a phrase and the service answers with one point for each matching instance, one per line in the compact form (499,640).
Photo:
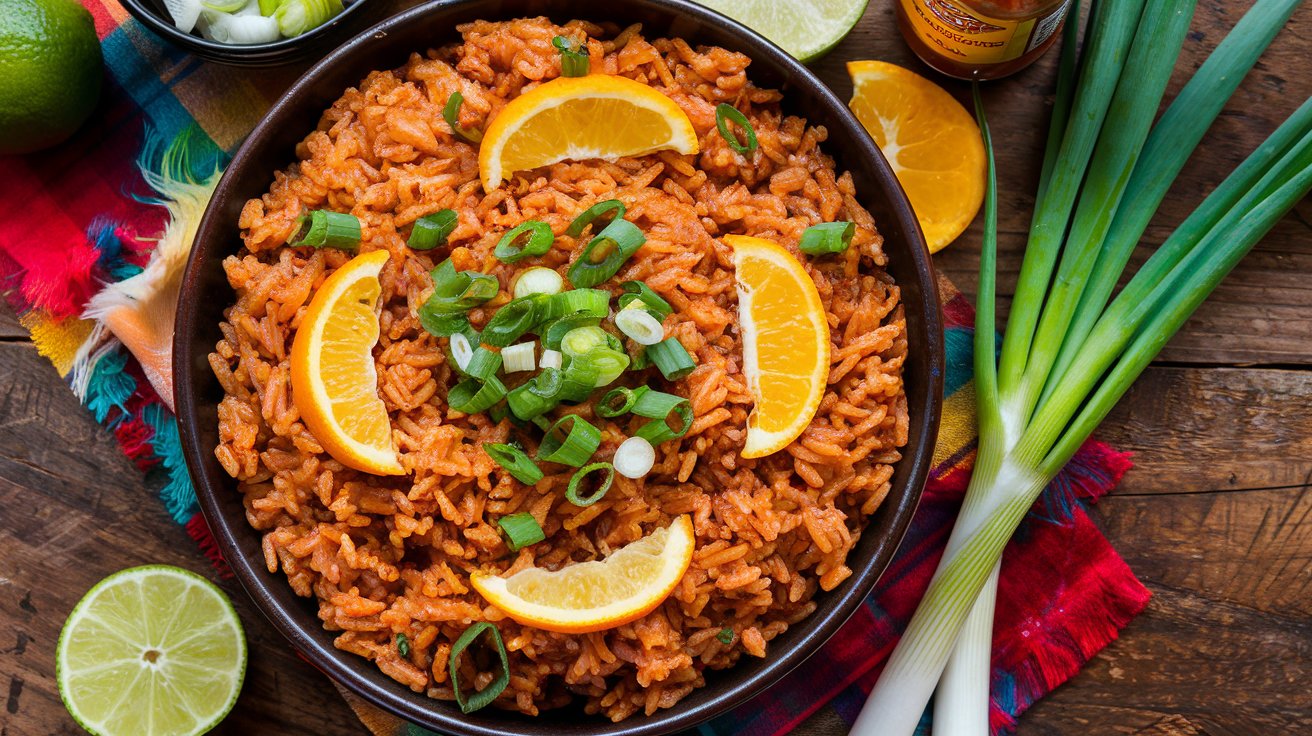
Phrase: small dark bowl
(271,146)
(315,43)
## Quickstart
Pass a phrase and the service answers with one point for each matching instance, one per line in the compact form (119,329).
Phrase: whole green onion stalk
(1071,351)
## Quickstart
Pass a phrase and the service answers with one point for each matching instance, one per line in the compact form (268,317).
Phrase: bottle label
(968,37)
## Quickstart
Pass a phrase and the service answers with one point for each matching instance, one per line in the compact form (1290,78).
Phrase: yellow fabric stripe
(59,340)
(957,429)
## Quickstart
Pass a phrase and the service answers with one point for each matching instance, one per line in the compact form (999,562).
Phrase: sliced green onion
(483,363)
(521,529)
(298,16)
(580,380)
(461,351)
(586,302)
(658,430)
(538,280)
(610,209)
(656,404)
(479,698)
(726,113)
(267,7)
(403,645)
(532,238)
(430,231)
(638,324)
(518,358)
(538,395)
(510,322)
(552,359)
(634,458)
(640,292)
(671,358)
(327,229)
(606,254)
(570,441)
(557,330)
(498,412)
(581,340)
(607,362)
(443,325)
(451,114)
(827,237)
(572,491)
(618,401)
(573,57)
(725,636)
(517,464)
(639,360)
(471,396)
(459,291)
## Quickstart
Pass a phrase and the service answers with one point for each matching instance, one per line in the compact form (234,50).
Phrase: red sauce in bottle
(980,39)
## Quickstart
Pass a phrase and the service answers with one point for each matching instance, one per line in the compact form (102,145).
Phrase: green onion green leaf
(726,114)
(827,237)
(521,529)
(479,698)
(570,441)
(327,229)
(430,231)
(574,491)
(671,358)
(515,462)
(451,114)
(606,254)
(531,238)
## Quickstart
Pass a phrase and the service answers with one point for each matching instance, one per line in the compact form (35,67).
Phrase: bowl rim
(273,51)
(344,667)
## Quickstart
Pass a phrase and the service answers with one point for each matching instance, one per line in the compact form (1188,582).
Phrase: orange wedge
(785,342)
(334,382)
(593,596)
(597,116)
(932,143)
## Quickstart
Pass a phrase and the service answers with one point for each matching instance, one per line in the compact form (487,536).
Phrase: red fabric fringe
(200,533)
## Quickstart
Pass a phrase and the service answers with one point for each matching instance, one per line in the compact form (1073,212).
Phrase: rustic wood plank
(1226,643)
(1214,429)
(1259,315)
(75,510)
(9,327)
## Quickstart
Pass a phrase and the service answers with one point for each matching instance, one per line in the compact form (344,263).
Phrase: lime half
(804,28)
(150,651)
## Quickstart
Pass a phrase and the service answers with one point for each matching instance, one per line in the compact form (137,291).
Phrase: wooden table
(1216,518)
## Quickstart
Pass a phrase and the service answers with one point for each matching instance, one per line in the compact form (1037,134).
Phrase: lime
(804,28)
(150,651)
(50,72)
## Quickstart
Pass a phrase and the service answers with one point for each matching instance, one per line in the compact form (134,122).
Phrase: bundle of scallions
(1071,350)
(243,22)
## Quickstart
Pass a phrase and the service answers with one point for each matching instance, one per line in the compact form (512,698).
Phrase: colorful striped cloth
(81,215)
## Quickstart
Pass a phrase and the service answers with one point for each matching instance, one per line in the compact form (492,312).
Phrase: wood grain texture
(1216,518)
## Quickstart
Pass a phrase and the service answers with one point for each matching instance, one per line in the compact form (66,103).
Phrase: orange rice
(392,555)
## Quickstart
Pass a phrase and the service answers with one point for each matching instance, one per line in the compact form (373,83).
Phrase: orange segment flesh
(576,118)
(334,381)
(785,342)
(602,594)
(932,143)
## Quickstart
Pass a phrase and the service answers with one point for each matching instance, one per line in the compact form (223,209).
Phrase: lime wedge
(150,651)
(804,28)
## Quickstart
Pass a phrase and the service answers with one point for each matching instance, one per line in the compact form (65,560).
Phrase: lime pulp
(804,28)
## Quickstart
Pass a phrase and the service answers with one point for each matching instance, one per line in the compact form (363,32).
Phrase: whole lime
(50,72)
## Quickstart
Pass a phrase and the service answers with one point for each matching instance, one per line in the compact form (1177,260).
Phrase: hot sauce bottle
(980,39)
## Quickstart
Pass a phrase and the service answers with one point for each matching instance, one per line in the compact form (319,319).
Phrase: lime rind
(806,29)
(116,616)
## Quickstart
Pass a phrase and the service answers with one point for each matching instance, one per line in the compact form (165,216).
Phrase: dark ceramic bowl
(205,294)
(315,43)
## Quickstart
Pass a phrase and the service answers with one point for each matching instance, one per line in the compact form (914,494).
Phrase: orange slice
(596,116)
(785,342)
(334,382)
(593,596)
(932,143)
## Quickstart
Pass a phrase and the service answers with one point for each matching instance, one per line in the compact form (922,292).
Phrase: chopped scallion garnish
(552,359)
(574,489)
(531,238)
(659,429)
(580,380)
(483,363)
(725,636)
(516,463)
(606,254)
(608,363)
(461,351)
(827,237)
(538,395)
(634,458)
(327,229)
(510,322)
(518,358)
(638,291)
(479,698)
(671,358)
(451,114)
(570,441)
(638,324)
(573,57)
(581,340)
(430,231)
(725,114)
(538,280)
(618,401)
(521,529)
(610,209)
(403,645)
(471,396)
